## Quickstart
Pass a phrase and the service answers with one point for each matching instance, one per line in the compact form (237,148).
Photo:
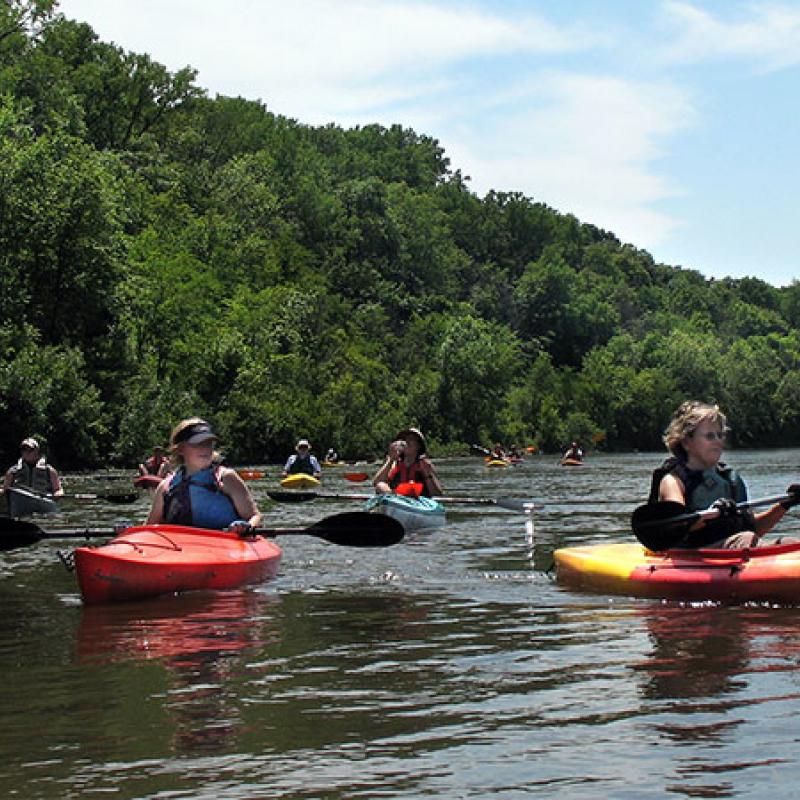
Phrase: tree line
(165,254)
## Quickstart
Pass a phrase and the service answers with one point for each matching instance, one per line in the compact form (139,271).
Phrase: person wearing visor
(695,477)
(33,472)
(302,461)
(202,493)
(407,470)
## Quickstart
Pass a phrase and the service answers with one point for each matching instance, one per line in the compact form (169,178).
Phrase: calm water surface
(451,665)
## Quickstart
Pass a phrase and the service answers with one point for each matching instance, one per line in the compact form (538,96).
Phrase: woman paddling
(407,470)
(202,493)
(695,477)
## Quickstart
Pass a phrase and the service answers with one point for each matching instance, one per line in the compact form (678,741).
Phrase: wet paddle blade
(16,533)
(660,526)
(350,529)
(291,497)
(359,529)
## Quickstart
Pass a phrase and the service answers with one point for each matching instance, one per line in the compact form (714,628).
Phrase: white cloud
(769,35)
(582,144)
(315,58)
(585,145)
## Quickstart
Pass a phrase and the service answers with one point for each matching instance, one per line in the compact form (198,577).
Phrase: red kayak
(149,560)
(147,481)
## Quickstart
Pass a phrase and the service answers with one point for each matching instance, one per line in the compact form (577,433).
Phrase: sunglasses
(713,436)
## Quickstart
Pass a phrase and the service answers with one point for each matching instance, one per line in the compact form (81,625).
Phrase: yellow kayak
(767,573)
(300,481)
(497,462)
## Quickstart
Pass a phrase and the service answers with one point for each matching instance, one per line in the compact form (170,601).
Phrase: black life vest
(702,488)
(302,464)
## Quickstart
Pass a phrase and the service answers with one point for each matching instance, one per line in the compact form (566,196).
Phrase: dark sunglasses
(712,436)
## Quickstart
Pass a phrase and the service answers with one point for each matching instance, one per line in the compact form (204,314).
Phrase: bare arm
(156,515)
(237,490)
(432,479)
(767,520)
(8,481)
(671,490)
(55,483)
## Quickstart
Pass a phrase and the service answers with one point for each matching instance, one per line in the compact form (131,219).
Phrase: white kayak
(22,502)
(413,513)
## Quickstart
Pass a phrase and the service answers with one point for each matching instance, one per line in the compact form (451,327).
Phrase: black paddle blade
(660,526)
(121,499)
(16,533)
(292,497)
(358,529)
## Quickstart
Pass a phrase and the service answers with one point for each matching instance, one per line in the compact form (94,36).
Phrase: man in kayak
(156,464)
(302,461)
(574,453)
(33,472)
(695,477)
(407,470)
(202,493)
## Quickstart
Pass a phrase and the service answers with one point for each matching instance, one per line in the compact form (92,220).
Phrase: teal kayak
(413,513)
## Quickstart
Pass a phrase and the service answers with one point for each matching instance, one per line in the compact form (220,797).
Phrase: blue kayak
(413,513)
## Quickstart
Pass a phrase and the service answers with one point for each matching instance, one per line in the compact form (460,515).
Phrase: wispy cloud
(586,145)
(765,33)
(476,77)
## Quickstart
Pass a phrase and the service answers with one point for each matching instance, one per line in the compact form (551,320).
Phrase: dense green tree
(164,253)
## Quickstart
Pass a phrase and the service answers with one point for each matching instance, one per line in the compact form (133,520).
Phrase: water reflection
(202,640)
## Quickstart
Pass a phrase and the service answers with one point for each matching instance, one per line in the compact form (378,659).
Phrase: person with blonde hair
(202,492)
(695,477)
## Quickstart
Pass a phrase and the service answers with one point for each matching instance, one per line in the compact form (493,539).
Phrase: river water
(452,665)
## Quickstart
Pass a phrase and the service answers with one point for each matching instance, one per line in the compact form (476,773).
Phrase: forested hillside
(164,253)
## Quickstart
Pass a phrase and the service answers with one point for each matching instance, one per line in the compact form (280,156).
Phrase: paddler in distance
(156,464)
(407,470)
(303,461)
(695,477)
(33,472)
(202,493)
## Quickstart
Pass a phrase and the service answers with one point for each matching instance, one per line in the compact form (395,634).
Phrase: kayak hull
(497,463)
(770,574)
(571,462)
(300,481)
(413,513)
(147,481)
(23,503)
(151,560)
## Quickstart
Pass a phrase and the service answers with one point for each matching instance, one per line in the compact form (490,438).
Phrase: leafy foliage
(165,254)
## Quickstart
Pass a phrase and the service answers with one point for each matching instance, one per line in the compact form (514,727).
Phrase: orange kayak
(149,560)
(770,573)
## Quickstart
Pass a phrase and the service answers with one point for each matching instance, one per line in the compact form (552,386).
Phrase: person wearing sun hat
(303,461)
(202,493)
(407,469)
(33,472)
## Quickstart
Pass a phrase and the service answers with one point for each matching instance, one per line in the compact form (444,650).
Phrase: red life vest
(406,473)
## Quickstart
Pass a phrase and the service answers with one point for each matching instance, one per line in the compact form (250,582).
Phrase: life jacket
(302,464)
(408,473)
(33,476)
(701,489)
(198,500)
(153,464)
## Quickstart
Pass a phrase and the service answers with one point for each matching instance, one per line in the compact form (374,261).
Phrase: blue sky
(673,123)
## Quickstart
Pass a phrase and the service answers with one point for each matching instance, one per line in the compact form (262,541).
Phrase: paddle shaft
(354,529)
(509,503)
(713,513)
